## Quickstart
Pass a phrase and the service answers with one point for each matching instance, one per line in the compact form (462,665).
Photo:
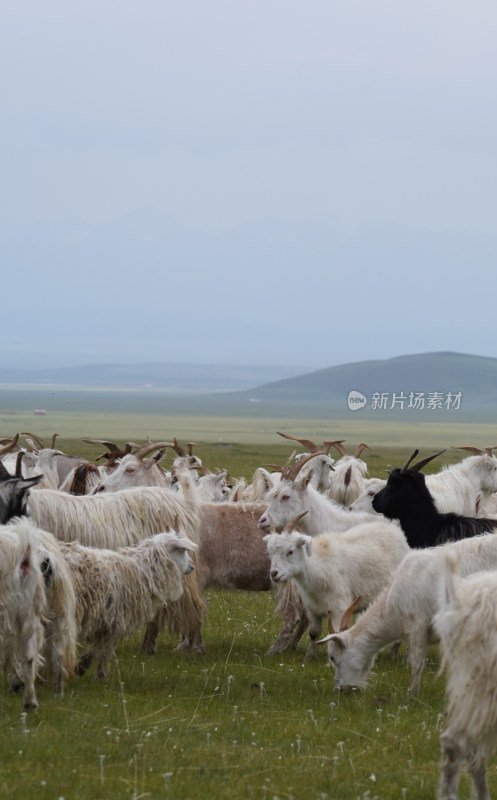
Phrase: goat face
(14,497)
(489,474)
(285,502)
(287,552)
(402,495)
(350,669)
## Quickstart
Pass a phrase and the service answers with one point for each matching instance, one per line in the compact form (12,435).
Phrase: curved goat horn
(346,617)
(325,447)
(191,445)
(290,526)
(404,468)
(52,443)
(341,449)
(489,449)
(19,459)
(290,472)
(310,446)
(8,448)
(177,448)
(420,464)
(112,446)
(475,450)
(151,448)
(37,439)
(361,447)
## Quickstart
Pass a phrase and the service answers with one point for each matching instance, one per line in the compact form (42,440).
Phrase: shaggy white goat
(23,608)
(120,519)
(119,591)
(334,569)
(467,626)
(404,611)
(59,650)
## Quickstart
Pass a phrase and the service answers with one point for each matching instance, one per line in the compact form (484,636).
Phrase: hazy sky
(256,182)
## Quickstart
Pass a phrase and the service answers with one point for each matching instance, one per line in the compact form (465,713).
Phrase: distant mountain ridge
(426,387)
(154,375)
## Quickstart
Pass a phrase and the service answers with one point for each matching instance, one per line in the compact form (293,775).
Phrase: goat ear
(307,479)
(335,639)
(305,541)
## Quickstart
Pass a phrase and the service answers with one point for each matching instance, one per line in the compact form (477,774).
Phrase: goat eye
(290,553)
(130,470)
(285,497)
(371,494)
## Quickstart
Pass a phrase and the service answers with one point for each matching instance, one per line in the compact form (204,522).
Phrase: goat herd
(89,554)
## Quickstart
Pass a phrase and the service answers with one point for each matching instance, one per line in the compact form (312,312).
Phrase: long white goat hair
(23,608)
(119,591)
(121,519)
(116,519)
(467,625)
(60,626)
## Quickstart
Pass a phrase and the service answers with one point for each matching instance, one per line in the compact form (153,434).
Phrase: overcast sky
(270,181)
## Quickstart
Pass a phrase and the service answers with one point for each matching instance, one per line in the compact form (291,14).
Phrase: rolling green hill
(444,383)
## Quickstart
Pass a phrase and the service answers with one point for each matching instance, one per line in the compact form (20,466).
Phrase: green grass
(232,723)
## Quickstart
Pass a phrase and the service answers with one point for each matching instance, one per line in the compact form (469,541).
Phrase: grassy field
(234,722)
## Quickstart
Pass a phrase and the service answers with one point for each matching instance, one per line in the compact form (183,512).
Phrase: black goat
(14,494)
(406,498)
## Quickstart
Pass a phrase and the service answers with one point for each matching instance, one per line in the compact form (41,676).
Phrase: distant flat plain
(119,414)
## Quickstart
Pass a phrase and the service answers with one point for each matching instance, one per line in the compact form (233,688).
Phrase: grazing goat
(406,498)
(466,623)
(334,569)
(294,495)
(404,611)
(23,608)
(119,591)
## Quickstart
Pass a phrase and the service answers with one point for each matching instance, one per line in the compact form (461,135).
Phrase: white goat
(135,469)
(349,473)
(294,495)
(467,626)
(60,626)
(404,611)
(334,569)
(23,608)
(364,503)
(119,591)
(121,519)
